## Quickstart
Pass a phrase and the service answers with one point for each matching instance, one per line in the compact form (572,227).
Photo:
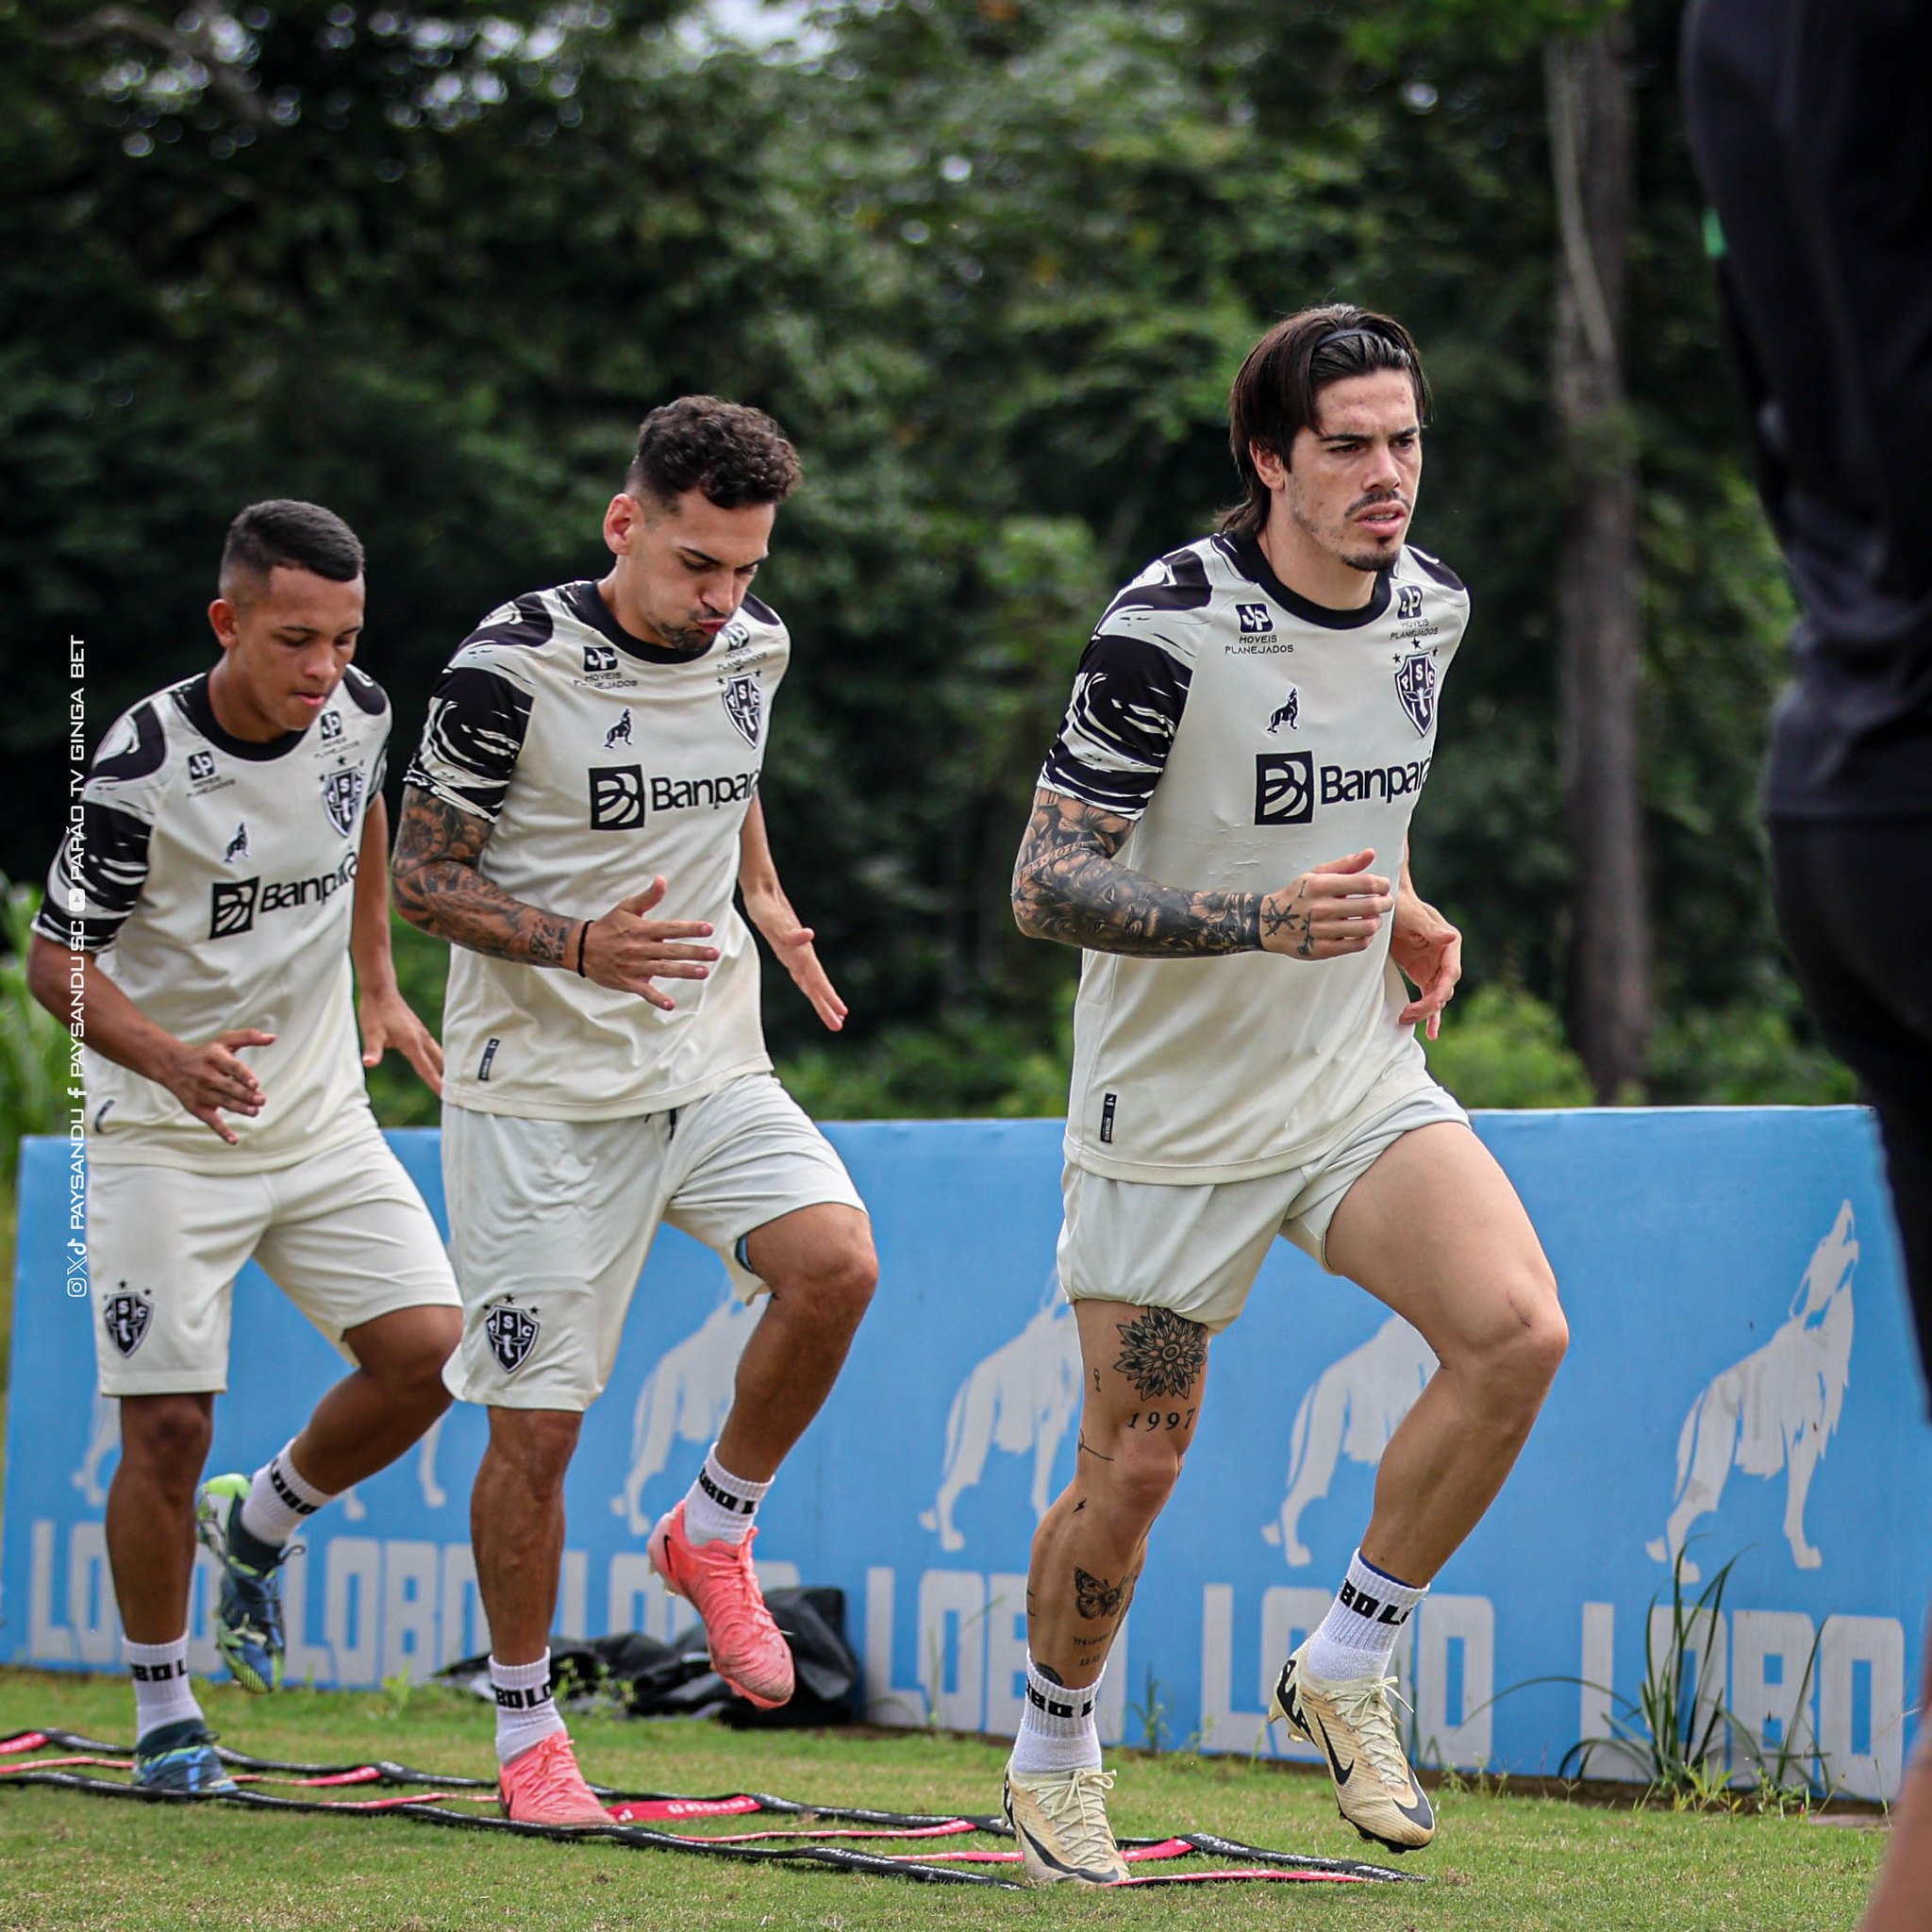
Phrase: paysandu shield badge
(511,1333)
(1415,685)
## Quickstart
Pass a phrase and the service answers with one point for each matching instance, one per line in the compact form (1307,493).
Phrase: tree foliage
(993,263)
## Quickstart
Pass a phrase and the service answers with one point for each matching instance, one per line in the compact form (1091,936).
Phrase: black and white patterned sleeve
(472,736)
(1128,696)
(98,873)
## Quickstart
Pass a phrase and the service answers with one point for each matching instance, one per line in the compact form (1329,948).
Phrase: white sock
(525,1710)
(1057,1732)
(1357,1635)
(719,1507)
(280,1500)
(161,1691)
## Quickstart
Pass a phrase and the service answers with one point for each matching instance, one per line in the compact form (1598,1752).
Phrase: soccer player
(229,861)
(1245,1063)
(1812,127)
(585,798)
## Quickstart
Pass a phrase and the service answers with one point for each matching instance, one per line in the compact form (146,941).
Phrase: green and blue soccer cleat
(180,1758)
(248,1618)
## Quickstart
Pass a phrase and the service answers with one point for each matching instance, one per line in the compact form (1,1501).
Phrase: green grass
(1502,1863)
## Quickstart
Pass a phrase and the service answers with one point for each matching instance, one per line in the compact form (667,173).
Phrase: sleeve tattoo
(438,888)
(1067,887)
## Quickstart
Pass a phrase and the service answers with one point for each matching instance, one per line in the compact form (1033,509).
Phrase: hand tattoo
(438,888)
(1067,887)
(1291,919)
(1162,1353)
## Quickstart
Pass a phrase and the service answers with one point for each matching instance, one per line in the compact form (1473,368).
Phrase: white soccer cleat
(1060,1824)
(1351,1720)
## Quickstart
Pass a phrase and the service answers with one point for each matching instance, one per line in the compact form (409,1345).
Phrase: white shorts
(343,1234)
(1197,1249)
(550,1223)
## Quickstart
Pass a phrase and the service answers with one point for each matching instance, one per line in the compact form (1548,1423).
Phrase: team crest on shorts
(341,792)
(127,1316)
(1415,685)
(744,705)
(511,1333)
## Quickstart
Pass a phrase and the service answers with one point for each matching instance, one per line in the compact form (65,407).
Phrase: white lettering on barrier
(91,1596)
(303,1662)
(1861,1727)
(47,1641)
(1776,1707)
(970,1642)
(952,1646)
(411,1573)
(1843,1700)
(465,1628)
(351,1601)
(1288,1612)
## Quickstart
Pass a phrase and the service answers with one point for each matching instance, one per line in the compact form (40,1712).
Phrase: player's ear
(225,620)
(622,520)
(1269,465)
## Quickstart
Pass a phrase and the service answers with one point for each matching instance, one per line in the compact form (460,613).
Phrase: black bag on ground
(655,1679)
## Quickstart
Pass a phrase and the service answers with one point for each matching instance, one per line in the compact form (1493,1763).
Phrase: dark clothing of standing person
(1813,126)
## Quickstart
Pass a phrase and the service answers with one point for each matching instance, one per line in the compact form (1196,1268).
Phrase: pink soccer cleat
(544,1786)
(748,1650)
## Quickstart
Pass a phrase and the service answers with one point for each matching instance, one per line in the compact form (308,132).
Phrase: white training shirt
(214,876)
(1250,735)
(602,761)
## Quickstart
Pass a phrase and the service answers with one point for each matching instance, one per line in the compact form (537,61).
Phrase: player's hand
(208,1080)
(387,1020)
(792,944)
(625,951)
(1334,909)
(1429,949)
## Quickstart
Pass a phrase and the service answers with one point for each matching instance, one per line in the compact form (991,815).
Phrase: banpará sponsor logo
(237,902)
(680,794)
(1289,785)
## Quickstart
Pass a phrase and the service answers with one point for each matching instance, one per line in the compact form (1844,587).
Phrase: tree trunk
(1598,608)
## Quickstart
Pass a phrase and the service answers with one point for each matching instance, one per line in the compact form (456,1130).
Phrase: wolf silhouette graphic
(1777,1409)
(1023,1397)
(1354,1408)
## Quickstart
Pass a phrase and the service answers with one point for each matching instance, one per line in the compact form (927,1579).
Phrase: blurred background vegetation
(991,263)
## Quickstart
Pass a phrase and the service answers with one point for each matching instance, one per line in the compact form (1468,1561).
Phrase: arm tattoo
(1067,887)
(438,888)
(1161,1353)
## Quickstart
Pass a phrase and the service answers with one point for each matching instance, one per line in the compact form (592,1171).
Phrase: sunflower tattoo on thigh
(1161,1353)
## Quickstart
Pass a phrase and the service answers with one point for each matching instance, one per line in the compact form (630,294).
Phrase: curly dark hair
(1274,394)
(301,536)
(735,454)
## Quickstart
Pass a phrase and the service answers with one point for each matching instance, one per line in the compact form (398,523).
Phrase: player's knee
(1531,1349)
(836,1284)
(535,1443)
(166,1438)
(1142,1474)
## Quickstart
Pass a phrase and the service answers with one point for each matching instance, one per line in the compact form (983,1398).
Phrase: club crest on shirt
(744,705)
(127,1316)
(1289,714)
(1415,685)
(237,846)
(511,1333)
(342,795)
(620,732)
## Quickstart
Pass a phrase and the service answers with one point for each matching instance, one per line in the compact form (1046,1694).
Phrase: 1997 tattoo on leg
(1161,1353)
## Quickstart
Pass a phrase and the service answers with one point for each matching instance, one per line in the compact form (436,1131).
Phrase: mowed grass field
(1502,1863)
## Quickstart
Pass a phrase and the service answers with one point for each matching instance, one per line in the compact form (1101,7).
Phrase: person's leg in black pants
(1855,899)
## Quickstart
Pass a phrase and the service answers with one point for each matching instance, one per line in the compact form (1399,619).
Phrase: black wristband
(583,933)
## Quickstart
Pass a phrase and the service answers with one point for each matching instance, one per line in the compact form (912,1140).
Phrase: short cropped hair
(302,536)
(735,456)
(1274,393)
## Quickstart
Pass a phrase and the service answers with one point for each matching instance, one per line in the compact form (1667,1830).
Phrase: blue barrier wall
(1742,1375)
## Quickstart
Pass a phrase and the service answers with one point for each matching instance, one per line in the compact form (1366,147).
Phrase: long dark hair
(1273,395)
